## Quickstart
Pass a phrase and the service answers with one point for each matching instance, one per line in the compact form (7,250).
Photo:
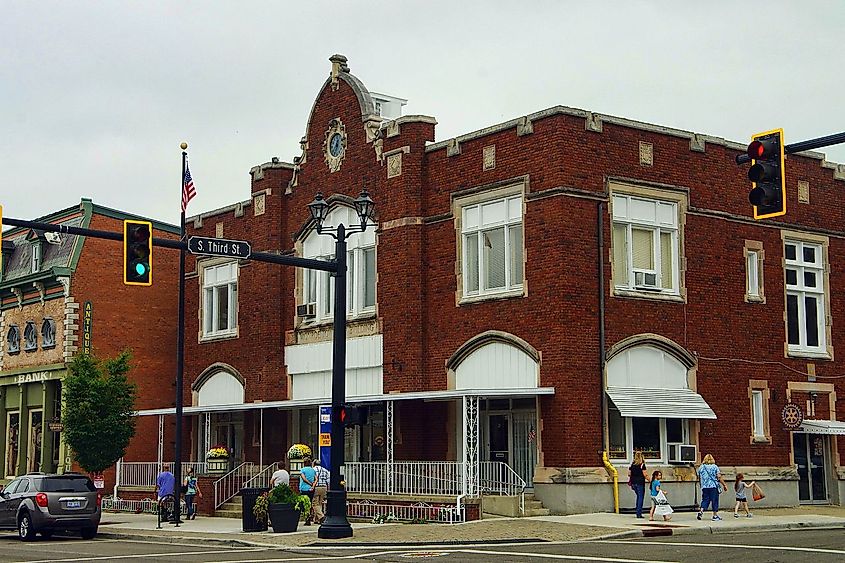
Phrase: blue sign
(326,437)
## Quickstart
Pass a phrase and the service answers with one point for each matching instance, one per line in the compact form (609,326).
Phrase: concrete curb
(226,542)
(706,530)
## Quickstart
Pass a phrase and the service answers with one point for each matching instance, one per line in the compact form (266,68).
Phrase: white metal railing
(430,478)
(498,478)
(144,473)
(231,483)
(147,505)
(419,512)
(261,479)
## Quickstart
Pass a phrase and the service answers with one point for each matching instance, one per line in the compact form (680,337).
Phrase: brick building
(536,293)
(60,294)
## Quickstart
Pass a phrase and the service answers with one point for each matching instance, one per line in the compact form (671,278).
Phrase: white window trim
(657,229)
(759,388)
(754,254)
(35,259)
(664,443)
(232,331)
(801,292)
(509,289)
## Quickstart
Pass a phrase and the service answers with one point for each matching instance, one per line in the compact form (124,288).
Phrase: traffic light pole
(180,358)
(811,144)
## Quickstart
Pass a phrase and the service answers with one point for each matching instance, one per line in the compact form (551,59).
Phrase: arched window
(221,388)
(30,337)
(13,339)
(48,333)
(495,360)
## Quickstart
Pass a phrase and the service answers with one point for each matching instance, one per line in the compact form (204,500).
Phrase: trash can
(250,522)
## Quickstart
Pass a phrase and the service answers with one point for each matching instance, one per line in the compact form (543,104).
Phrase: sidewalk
(540,528)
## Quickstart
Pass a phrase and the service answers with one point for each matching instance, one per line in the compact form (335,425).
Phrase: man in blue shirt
(165,482)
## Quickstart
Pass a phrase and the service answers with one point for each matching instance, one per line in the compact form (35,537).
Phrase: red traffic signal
(351,415)
(768,193)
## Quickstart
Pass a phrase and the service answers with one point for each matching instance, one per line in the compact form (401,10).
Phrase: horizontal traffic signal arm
(310,263)
(811,144)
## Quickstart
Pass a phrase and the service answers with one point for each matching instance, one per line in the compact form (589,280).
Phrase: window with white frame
(491,239)
(318,286)
(645,244)
(757,414)
(754,272)
(651,436)
(220,299)
(758,394)
(805,297)
(35,264)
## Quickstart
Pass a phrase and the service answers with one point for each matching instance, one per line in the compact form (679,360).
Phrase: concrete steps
(534,507)
(233,508)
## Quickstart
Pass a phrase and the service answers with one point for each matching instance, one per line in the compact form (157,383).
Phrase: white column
(160,440)
(207,433)
(261,438)
(471,465)
(389,414)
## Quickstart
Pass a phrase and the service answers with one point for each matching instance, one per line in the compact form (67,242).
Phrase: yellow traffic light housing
(137,252)
(767,174)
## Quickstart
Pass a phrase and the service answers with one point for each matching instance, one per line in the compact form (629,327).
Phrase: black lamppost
(336,525)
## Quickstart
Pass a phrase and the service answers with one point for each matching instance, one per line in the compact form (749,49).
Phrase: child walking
(655,489)
(740,488)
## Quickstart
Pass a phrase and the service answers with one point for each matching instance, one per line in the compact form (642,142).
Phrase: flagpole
(180,346)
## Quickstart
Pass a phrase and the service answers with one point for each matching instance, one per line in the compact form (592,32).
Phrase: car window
(67,485)
(12,487)
(23,486)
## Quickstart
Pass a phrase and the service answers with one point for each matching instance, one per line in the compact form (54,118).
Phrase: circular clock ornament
(334,145)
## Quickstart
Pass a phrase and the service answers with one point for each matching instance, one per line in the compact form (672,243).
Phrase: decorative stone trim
(394,165)
(218,230)
(71,328)
(696,143)
(40,287)
(593,122)
(2,337)
(259,203)
(524,126)
(646,154)
(239,209)
(488,157)
(453,148)
(18,292)
(803,191)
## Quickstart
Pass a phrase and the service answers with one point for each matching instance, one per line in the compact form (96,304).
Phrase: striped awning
(659,403)
(833,427)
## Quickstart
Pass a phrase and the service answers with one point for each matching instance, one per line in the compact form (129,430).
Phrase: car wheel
(46,534)
(26,531)
(89,533)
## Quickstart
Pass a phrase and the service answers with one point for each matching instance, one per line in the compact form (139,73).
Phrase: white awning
(834,427)
(659,403)
(443,395)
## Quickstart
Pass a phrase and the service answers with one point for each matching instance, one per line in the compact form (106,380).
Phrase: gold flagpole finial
(184,145)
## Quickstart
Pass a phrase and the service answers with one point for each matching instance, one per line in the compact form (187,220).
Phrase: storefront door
(511,438)
(810,456)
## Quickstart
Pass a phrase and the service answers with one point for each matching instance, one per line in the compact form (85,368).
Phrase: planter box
(283,517)
(217,465)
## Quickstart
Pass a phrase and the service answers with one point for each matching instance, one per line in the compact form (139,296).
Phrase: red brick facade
(568,162)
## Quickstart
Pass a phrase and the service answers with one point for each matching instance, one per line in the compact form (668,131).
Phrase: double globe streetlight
(336,524)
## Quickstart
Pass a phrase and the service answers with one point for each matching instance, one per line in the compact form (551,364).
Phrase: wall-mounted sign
(55,425)
(792,416)
(32,377)
(87,314)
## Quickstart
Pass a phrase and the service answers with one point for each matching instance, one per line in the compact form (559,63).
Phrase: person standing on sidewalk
(320,491)
(191,489)
(740,488)
(710,478)
(307,480)
(637,476)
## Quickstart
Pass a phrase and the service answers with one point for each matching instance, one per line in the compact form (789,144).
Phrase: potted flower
(297,454)
(217,459)
(283,507)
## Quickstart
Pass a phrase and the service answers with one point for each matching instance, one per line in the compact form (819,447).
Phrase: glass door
(33,451)
(524,446)
(13,423)
(810,457)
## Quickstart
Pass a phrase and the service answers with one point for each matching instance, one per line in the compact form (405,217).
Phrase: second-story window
(30,337)
(220,299)
(645,244)
(13,339)
(805,297)
(48,333)
(491,237)
(35,264)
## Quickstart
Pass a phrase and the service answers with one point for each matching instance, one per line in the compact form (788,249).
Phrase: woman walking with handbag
(710,478)
(637,477)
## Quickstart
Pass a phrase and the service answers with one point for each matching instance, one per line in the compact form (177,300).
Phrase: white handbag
(663,508)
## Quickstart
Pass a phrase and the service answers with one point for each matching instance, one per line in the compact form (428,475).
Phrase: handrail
(230,484)
(260,479)
(144,473)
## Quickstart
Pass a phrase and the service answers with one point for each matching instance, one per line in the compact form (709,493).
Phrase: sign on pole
(219,247)
(325,435)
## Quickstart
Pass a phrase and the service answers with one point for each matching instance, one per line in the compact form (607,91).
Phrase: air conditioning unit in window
(307,310)
(646,280)
(682,453)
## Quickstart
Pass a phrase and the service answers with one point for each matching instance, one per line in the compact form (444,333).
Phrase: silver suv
(45,503)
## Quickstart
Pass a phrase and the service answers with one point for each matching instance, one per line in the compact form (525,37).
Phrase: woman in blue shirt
(710,478)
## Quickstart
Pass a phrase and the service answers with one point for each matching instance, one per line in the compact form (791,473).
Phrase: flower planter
(296,464)
(217,465)
(283,517)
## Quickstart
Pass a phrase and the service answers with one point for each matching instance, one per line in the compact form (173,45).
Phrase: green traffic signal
(137,252)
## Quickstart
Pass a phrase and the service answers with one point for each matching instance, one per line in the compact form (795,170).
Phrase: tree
(99,402)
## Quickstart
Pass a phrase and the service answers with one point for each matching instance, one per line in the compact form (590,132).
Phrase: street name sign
(219,247)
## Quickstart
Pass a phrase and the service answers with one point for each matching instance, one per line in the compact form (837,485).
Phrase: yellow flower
(299,451)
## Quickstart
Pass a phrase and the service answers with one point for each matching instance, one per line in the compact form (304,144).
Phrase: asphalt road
(815,546)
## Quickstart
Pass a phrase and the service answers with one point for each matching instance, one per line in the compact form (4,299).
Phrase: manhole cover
(422,554)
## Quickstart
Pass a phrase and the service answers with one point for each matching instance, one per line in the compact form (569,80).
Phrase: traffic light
(351,415)
(768,195)
(137,253)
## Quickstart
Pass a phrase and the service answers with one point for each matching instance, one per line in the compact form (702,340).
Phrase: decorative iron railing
(231,483)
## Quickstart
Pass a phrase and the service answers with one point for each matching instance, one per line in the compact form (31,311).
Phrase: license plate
(73,504)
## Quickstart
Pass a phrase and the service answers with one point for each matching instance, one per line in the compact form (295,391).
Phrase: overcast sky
(95,97)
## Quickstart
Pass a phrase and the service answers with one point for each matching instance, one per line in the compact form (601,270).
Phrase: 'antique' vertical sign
(86,327)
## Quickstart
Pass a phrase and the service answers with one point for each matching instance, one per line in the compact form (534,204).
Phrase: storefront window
(13,423)
(309,429)
(616,434)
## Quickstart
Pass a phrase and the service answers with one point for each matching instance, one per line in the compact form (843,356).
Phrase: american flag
(188,191)
(532,434)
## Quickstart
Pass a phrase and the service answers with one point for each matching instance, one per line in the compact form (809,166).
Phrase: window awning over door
(834,427)
(659,403)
